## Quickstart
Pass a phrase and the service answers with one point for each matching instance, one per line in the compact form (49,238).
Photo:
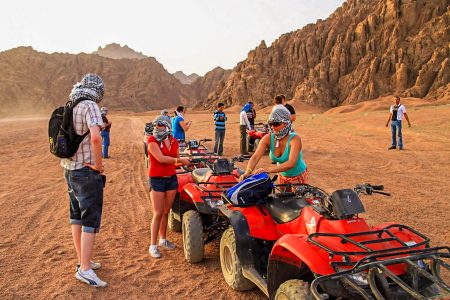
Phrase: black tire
(173,223)
(192,229)
(294,289)
(230,263)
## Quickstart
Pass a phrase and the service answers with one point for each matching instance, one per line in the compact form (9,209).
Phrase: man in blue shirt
(219,121)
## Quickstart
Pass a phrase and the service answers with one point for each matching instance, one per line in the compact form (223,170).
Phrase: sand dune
(341,150)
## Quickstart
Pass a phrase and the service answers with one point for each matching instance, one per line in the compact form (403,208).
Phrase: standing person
(164,156)
(165,115)
(179,126)
(285,150)
(289,107)
(105,132)
(251,116)
(219,121)
(83,175)
(278,103)
(244,124)
(395,117)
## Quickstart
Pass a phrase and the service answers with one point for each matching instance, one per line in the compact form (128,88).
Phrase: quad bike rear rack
(373,266)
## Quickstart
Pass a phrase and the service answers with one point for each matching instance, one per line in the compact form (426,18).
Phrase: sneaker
(94,266)
(154,252)
(167,244)
(90,278)
(391,147)
(400,148)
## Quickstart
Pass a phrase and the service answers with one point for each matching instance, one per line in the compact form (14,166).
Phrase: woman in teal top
(285,149)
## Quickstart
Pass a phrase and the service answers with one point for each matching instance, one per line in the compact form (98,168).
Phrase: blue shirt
(177,130)
(219,119)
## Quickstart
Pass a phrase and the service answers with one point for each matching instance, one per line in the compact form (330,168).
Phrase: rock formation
(204,87)
(32,81)
(185,79)
(364,50)
(116,51)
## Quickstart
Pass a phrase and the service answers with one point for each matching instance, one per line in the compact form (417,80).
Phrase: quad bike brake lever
(382,193)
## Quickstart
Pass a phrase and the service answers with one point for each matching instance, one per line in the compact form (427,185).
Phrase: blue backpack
(250,191)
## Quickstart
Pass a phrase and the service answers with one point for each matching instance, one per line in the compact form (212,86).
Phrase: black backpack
(63,139)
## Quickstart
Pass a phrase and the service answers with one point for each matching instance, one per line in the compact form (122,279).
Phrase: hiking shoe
(94,266)
(90,278)
(391,147)
(167,244)
(154,252)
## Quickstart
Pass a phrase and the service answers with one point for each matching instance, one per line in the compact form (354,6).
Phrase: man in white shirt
(244,125)
(395,117)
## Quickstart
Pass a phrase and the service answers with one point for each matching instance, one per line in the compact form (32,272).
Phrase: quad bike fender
(244,242)
(295,249)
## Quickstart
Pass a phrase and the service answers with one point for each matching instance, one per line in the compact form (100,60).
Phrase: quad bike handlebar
(368,189)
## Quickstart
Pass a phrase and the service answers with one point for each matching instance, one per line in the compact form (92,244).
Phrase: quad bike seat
(198,175)
(285,209)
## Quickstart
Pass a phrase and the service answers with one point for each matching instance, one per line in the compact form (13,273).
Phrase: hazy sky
(188,35)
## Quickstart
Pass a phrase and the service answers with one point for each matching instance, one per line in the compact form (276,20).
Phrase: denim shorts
(85,188)
(163,184)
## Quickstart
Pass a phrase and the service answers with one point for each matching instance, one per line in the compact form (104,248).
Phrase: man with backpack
(83,175)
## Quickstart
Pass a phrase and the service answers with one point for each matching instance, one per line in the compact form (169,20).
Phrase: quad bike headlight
(214,203)
(360,278)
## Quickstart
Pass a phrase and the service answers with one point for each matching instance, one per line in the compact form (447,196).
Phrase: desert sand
(342,147)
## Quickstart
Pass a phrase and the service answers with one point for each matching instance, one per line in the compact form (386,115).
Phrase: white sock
(161,241)
(153,247)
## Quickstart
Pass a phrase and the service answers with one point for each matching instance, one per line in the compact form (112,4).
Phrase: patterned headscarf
(280,114)
(161,134)
(91,87)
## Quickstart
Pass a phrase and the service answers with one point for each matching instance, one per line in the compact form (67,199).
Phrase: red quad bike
(192,147)
(307,244)
(184,176)
(257,133)
(198,202)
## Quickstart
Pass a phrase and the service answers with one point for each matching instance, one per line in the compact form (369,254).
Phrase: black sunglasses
(275,124)
(160,123)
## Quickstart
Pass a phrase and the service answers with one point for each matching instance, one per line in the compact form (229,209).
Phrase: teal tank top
(300,165)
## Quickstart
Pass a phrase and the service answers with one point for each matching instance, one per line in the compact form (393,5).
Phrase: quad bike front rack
(374,265)
(380,279)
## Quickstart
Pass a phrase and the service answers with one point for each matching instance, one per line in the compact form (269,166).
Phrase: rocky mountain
(33,81)
(364,50)
(204,87)
(117,52)
(186,79)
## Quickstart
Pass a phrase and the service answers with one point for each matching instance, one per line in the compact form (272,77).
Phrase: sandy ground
(342,147)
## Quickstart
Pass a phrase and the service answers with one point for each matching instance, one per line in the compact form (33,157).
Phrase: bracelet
(248,169)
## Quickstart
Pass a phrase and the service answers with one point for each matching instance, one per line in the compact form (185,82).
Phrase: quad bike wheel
(294,289)
(192,228)
(231,266)
(173,223)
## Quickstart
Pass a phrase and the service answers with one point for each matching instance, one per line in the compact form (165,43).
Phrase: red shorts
(302,178)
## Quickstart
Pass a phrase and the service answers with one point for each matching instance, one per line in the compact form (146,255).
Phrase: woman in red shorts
(164,156)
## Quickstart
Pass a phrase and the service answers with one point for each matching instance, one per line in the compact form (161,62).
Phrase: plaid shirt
(85,115)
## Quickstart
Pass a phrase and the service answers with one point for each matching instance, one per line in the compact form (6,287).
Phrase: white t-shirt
(243,119)
(400,111)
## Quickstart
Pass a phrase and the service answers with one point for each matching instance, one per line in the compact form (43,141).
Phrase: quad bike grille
(384,284)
